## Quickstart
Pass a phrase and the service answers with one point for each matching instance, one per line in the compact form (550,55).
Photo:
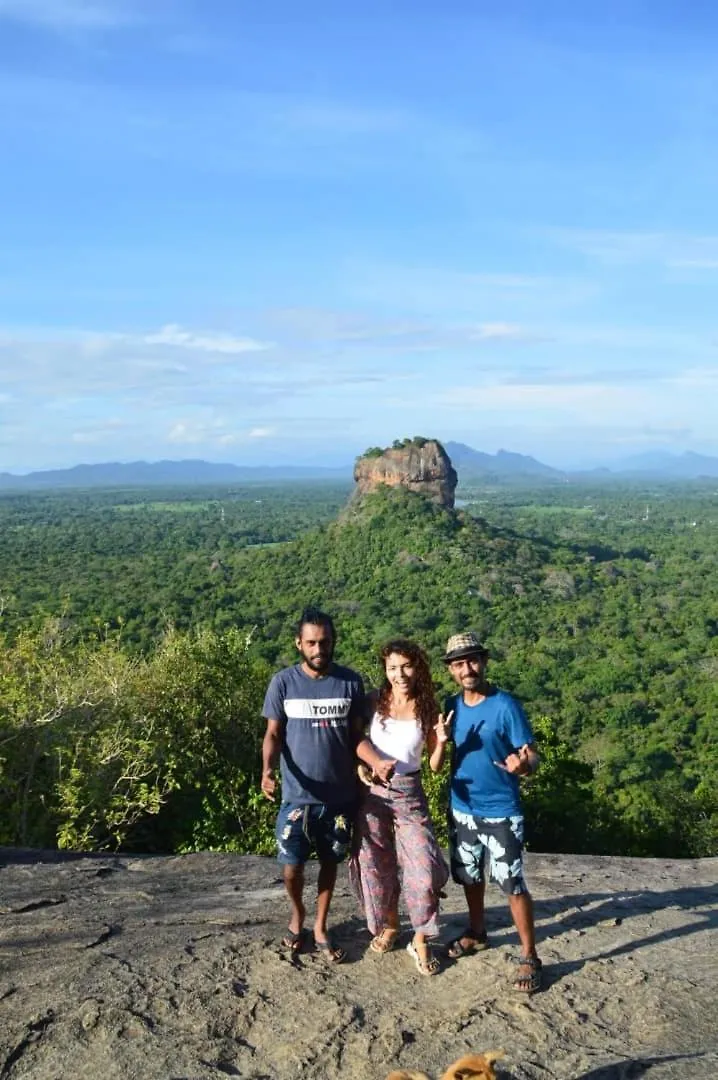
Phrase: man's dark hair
(313,616)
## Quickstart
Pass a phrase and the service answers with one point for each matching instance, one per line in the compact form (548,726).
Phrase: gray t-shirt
(318,717)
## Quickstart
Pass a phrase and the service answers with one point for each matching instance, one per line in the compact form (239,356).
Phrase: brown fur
(470,1067)
(474,1067)
(402,1074)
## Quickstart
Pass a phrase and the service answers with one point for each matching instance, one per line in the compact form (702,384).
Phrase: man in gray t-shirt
(314,712)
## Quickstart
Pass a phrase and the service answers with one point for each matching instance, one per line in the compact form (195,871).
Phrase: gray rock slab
(170,967)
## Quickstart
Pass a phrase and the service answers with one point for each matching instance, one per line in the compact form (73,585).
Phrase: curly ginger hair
(423,695)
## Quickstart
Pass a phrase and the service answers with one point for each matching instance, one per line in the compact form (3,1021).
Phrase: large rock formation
(420,465)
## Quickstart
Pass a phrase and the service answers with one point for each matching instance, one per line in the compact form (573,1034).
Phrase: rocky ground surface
(136,968)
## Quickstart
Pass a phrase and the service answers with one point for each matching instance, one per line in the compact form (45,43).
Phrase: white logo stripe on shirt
(311,708)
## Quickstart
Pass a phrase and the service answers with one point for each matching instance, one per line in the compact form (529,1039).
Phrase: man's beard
(318,663)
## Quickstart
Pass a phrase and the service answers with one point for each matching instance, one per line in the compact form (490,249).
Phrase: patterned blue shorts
(307,827)
(471,838)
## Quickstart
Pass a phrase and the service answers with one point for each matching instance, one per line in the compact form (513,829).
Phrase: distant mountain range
(506,467)
(145,473)
(664,466)
(503,467)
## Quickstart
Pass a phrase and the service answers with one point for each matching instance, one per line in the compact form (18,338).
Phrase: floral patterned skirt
(397,855)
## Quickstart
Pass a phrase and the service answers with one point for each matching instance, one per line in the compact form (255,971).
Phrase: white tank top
(401,740)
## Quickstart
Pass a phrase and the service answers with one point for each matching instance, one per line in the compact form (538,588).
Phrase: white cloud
(70,14)
(86,437)
(196,431)
(213,430)
(319,324)
(94,346)
(500,332)
(697,377)
(673,250)
(49,363)
(537,396)
(399,335)
(169,391)
(181,433)
(208,128)
(466,294)
(694,264)
(659,402)
(175,336)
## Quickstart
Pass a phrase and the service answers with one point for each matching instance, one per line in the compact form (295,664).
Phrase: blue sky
(275,232)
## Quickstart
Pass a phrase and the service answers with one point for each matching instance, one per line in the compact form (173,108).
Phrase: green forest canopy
(600,608)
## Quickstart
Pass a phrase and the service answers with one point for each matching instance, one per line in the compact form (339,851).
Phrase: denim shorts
(471,839)
(313,827)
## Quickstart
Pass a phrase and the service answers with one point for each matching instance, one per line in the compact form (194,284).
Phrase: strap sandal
(428,965)
(294,940)
(528,982)
(466,943)
(384,941)
(333,954)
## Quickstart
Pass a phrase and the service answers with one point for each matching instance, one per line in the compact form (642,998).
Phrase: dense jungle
(140,626)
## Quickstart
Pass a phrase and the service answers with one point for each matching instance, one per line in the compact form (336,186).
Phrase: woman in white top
(397,850)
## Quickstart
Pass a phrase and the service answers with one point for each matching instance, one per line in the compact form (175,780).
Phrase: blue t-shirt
(483,734)
(317,716)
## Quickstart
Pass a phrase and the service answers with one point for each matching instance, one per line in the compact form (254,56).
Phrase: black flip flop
(333,954)
(456,949)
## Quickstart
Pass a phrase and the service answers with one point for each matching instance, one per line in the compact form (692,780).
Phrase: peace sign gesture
(442,727)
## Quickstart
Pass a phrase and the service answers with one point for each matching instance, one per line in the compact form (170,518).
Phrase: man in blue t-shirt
(493,747)
(314,712)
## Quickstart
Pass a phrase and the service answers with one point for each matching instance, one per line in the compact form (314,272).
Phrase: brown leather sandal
(294,940)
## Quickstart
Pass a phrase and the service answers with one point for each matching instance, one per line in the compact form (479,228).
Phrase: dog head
(474,1067)
(470,1067)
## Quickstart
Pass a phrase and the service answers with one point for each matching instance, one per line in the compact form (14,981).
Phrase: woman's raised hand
(442,727)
